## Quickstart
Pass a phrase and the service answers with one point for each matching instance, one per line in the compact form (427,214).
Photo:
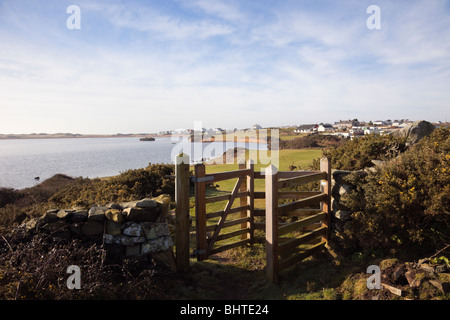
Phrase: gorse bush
(406,202)
(312,141)
(358,153)
(129,185)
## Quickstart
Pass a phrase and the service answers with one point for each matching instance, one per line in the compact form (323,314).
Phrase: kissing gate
(310,208)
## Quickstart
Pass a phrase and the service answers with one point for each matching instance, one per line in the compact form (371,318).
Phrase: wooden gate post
(200,211)
(325,187)
(271,177)
(182,212)
(248,185)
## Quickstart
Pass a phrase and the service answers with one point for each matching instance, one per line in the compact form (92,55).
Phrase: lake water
(22,160)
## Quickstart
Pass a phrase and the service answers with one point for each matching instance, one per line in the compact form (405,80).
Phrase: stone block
(115,215)
(129,241)
(113,228)
(92,228)
(141,214)
(156,245)
(49,216)
(133,229)
(97,213)
(79,215)
(155,230)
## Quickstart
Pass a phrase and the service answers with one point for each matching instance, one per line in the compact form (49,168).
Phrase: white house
(306,128)
(325,127)
(371,130)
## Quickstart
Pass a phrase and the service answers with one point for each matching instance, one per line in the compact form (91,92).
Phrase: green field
(299,158)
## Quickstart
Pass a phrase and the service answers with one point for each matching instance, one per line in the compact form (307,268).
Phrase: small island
(147,139)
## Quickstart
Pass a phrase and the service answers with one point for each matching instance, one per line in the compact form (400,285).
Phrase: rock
(97,213)
(134,230)
(129,241)
(123,240)
(164,201)
(155,230)
(137,214)
(426,267)
(342,215)
(130,204)
(411,278)
(146,203)
(156,245)
(165,258)
(31,224)
(115,206)
(440,286)
(54,226)
(414,132)
(49,216)
(115,215)
(398,273)
(113,228)
(344,189)
(92,228)
(79,215)
(112,239)
(64,214)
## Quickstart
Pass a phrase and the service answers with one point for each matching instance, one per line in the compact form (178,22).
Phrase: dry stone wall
(132,229)
(343,182)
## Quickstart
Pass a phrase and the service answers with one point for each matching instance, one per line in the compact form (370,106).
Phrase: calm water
(24,159)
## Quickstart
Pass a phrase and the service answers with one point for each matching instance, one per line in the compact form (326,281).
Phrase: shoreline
(77,136)
(40,136)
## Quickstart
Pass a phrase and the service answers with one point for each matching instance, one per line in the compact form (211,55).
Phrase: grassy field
(299,158)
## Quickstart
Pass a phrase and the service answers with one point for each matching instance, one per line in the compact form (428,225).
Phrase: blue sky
(145,66)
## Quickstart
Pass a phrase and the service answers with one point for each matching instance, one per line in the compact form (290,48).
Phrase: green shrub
(129,185)
(406,202)
(312,141)
(358,153)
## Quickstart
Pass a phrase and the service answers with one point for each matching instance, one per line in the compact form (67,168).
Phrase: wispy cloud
(227,63)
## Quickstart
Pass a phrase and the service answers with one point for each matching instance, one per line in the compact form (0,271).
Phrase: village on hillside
(344,128)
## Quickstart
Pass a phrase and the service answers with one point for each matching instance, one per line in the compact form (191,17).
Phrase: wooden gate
(314,224)
(209,233)
(282,249)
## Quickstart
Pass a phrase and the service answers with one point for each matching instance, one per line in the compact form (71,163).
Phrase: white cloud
(223,9)
(158,70)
